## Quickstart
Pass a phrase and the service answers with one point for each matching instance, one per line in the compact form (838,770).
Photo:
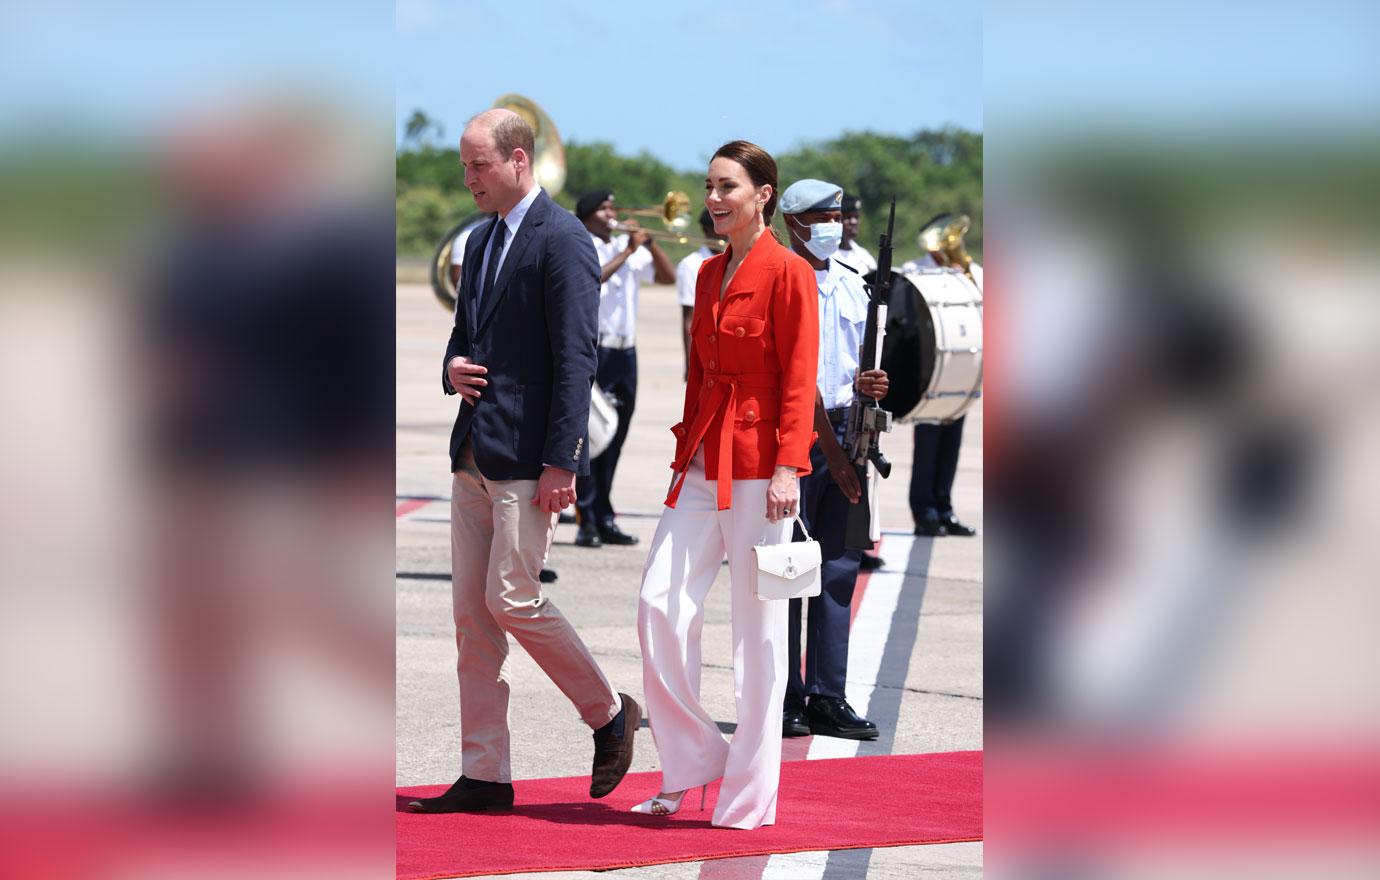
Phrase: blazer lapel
(536,215)
(741,282)
(474,264)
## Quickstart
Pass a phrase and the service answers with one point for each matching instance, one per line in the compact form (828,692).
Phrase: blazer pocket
(742,326)
(757,407)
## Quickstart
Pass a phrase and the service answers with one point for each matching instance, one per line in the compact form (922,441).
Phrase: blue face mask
(824,239)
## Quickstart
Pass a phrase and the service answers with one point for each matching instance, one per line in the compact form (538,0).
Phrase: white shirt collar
(514,218)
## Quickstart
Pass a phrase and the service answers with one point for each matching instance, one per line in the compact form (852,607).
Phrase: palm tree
(418,127)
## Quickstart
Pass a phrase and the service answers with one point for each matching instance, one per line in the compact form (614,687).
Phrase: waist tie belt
(724,388)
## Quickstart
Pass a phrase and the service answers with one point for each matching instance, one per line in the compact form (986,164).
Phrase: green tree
(928,172)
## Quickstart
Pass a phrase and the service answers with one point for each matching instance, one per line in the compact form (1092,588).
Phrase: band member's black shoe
(830,716)
(467,796)
(613,748)
(869,562)
(930,525)
(793,720)
(588,536)
(547,576)
(566,518)
(612,534)
(953,527)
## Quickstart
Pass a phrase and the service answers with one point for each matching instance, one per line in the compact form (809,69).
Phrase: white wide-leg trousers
(685,556)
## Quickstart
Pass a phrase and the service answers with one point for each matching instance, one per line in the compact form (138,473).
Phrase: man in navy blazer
(521,357)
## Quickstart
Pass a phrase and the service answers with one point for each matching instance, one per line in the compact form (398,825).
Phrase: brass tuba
(548,166)
(943,238)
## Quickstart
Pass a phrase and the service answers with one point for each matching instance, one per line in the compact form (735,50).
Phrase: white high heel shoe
(662,805)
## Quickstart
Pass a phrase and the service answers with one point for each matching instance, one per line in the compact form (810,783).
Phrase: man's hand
(841,469)
(466,378)
(555,489)
(873,383)
(637,237)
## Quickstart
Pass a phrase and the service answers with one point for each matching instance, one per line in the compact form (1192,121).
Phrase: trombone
(674,213)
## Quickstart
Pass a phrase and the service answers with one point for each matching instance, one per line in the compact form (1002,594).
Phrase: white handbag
(787,571)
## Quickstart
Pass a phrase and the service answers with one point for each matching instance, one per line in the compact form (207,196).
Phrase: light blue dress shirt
(842,319)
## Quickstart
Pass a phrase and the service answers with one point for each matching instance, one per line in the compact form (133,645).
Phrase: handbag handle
(798,521)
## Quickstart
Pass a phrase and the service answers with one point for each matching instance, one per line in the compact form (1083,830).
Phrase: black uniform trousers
(933,467)
(617,376)
(824,510)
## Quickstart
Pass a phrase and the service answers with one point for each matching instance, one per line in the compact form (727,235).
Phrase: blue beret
(811,195)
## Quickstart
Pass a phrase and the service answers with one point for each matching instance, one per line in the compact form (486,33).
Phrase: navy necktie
(495,251)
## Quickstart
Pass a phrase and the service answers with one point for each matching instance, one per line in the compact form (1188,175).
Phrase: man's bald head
(509,131)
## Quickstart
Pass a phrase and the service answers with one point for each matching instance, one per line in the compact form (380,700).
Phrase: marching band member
(816,703)
(934,460)
(626,262)
(744,438)
(851,253)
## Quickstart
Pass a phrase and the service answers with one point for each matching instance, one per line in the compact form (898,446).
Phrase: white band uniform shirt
(858,257)
(687,271)
(842,320)
(618,295)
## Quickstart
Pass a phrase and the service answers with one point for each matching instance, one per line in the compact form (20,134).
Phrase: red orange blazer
(750,392)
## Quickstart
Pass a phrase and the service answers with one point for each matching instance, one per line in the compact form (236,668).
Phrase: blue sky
(679,79)
(120,68)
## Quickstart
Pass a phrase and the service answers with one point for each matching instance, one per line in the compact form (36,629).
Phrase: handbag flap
(788,561)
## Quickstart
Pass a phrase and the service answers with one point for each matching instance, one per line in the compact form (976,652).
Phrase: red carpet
(846,803)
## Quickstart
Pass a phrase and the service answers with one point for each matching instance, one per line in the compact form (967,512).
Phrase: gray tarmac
(928,691)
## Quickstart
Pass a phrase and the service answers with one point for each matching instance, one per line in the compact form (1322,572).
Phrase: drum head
(933,348)
(908,350)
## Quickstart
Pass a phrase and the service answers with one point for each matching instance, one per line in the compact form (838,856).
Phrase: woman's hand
(783,497)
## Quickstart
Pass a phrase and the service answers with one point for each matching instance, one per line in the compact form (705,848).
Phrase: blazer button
(709,384)
(713,366)
(749,417)
(713,337)
(740,332)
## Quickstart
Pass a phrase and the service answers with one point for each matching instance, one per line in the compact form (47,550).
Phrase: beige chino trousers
(499,541)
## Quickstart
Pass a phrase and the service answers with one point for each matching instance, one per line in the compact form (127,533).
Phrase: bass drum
(933,348)
(440,261)
(603,421)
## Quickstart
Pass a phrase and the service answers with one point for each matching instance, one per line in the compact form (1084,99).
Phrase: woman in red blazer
(744,439)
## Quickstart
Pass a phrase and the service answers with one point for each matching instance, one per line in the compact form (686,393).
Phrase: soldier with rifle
(833,493)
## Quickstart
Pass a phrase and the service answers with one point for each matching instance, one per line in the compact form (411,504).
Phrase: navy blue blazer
(537,333)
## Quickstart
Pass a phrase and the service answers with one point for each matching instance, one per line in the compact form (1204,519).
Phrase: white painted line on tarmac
(867,643)
(796,866)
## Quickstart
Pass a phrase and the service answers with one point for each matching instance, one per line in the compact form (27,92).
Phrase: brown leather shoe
(613,748)
(467,796)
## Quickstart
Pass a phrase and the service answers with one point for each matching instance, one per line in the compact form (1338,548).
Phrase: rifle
(866,419)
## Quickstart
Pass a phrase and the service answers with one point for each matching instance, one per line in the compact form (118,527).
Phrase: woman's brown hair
(760,167)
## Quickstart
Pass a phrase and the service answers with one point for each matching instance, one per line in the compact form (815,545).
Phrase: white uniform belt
(615,340)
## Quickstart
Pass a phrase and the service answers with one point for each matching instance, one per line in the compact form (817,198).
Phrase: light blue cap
(811,195)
